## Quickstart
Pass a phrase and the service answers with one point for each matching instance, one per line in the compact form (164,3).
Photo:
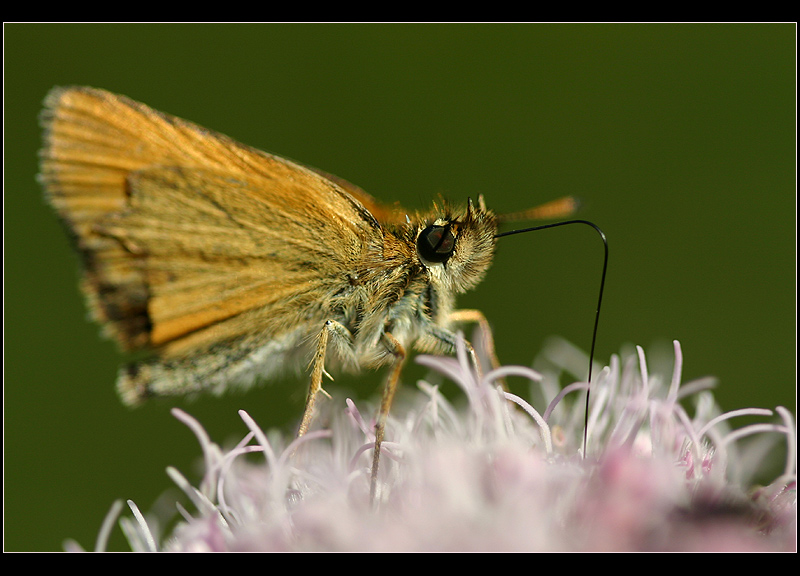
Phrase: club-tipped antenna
(599,301)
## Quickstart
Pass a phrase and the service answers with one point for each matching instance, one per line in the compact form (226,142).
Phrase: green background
(679,138)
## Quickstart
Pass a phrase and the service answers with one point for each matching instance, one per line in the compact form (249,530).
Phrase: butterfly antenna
(597,312)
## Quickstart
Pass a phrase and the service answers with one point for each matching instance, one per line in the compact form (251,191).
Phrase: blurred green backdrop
(679,138)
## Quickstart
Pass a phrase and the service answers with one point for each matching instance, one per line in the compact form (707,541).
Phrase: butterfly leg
(341,338)
(399,353)
(477,317)
(450,340)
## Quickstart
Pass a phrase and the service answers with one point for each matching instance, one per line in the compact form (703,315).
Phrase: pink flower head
(493,471)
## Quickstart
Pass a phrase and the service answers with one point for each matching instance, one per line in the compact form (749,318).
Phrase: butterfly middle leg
(336,334)
(399,353)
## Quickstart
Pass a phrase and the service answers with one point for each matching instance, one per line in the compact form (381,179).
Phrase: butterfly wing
(189,238)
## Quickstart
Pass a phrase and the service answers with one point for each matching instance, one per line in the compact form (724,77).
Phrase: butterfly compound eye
(436,244)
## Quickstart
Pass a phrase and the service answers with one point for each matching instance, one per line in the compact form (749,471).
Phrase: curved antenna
(599,302)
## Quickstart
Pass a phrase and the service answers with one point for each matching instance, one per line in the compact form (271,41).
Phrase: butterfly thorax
(395,289)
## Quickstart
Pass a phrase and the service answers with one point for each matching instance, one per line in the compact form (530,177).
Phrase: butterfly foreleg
(477,317)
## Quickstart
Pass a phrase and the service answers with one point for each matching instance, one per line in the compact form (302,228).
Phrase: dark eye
(436,243)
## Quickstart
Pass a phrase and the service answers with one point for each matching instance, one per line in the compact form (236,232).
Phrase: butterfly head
(456,246)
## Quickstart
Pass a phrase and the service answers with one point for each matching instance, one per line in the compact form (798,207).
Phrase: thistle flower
(497,472)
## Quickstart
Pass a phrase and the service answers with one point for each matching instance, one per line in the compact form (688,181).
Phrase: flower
(498,472)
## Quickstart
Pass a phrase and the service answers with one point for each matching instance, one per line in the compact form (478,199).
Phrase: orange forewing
(187,235)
